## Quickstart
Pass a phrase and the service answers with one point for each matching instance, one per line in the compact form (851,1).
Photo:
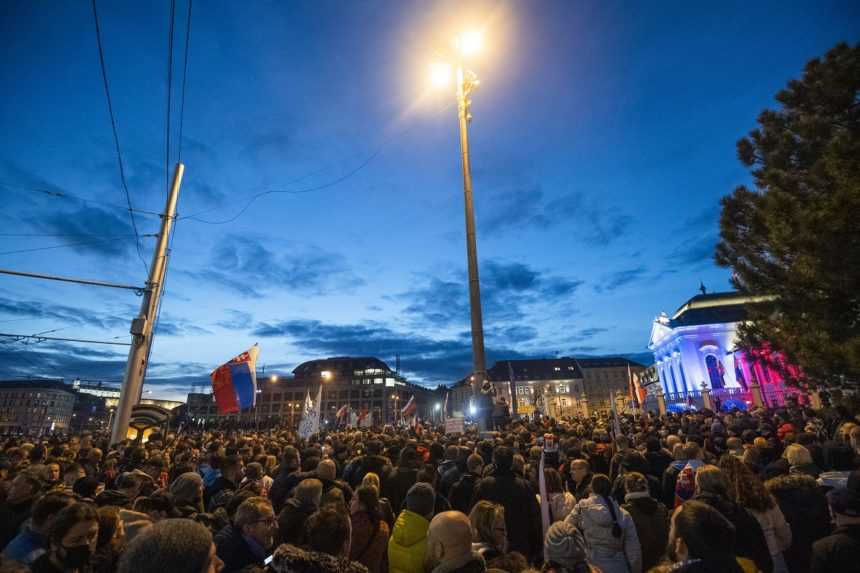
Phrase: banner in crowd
(310,423)
(410,408)
(234,383)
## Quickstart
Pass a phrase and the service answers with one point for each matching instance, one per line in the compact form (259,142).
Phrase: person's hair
(68,517)
(600,485)
(368,496)
(474,463)
(706,533)
(797,455)
(231,463)
(86,486)
(158,501)
(251,510)
(745,487)
(327,470)
(579,462)
(309,490)
(328,530)
(553,482)
(710,479)
(108,524)
(129,480)
(503,457)
(48,505)
(511,562)
(32,479)
(734,443)
(483,519)
(175,545)
(370,478)
(691,450)
(186,487)
(334,498)
(635,482)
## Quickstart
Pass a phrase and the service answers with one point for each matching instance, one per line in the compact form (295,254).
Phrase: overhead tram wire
(16,188)
(170,28)
(179,146)
(116,135)
(67,245)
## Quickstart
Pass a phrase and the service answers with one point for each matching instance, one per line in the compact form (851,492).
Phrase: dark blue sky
(603,138)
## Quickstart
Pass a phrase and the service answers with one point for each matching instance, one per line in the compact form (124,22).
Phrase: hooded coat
(652,526)
(805,510)
(408,543)
(750,540)
(369,542)
(611,554)
(290,559)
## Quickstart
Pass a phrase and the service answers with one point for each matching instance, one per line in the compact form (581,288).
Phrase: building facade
(35,407)
(605,377)
(362,383)
(697,347)
(552,385)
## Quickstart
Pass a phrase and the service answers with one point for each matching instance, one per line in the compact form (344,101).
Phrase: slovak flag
(410,407)
(343,412)
(234,383)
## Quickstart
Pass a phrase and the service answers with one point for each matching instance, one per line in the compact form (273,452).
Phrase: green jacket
(408,543)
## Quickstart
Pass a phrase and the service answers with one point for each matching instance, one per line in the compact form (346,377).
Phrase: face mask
(77,556)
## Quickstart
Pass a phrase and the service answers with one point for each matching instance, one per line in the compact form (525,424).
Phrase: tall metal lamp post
(468,44)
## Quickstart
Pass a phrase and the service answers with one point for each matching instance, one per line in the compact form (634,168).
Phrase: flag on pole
(310,423)
(445,407)
(234,383)
(342,415)
(544,499)
(410,408)
(616,425)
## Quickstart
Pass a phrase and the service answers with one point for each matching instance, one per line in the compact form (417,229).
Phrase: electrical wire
(79,235)
(184,76)
(170,28)
(15,188)
(116,135)
(68,245)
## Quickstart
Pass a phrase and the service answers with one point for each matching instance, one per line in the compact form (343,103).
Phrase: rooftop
(36,383)
(715,308)
(537,369)
(345,365)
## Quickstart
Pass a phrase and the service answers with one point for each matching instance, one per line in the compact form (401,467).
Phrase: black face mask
(77,557)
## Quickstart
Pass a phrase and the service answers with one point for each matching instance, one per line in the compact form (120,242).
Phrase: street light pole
(466,83)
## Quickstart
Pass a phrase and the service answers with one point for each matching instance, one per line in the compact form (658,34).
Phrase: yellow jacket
(408,543)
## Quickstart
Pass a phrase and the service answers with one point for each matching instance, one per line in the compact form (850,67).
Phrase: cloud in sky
(91,230)
(525,207)
(250,268)
(618,279)
(36,309)
(507,290)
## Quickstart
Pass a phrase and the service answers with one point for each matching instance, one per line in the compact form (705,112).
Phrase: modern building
(363,383)
(110,394)
(697,346)
(37,406)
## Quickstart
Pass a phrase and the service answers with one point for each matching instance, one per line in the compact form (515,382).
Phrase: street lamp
(468,44)
(273,378)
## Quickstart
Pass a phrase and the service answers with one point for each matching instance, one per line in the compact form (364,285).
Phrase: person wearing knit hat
(564,549)
(187,491)
(840,550)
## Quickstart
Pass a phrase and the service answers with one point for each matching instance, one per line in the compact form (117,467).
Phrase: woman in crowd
(609,530)
(369,531)
(73,537)
(560,502)
(371,479)
(489,533)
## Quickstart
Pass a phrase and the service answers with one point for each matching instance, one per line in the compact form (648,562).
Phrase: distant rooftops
(35,384)
(345,365)
(537,369)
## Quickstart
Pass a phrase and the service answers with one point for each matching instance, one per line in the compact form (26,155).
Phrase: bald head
(448,538)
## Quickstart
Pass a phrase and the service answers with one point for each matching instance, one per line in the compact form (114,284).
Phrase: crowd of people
(773,490)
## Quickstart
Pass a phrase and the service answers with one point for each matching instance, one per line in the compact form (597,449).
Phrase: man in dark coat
(249,539)
(805,509)
(297,509)
(460,494)
(401,478)
(840,551)
(373,461)
(650,517)
(217,494)
(18,505)
(522,512)
(286,478)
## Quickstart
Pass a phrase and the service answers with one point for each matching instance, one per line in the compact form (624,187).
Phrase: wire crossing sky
(321,211)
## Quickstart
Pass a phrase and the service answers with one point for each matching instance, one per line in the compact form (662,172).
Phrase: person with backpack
(609,530)
(679,479)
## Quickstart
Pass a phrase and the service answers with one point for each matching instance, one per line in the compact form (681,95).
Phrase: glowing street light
(440,74)
(468,44)
(273,378)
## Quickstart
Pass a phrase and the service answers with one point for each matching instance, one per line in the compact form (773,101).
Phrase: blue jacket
(26,547)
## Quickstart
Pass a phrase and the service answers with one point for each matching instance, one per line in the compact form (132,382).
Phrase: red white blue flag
(234,383)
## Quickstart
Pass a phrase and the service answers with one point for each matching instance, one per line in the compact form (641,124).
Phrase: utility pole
(466,82)
(141,327)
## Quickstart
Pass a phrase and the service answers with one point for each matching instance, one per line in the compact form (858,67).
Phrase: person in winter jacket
(451,469)
(840,551)
(613,545)
(565,551)
(372,461)
(560,502)
(408,542)
(580,479)
(449,547)
(805,509)
(187,490)
(369,531)
(248,541)
(461,492)
(328,548)
(712,488)
(286,478)
(489,534)
(401,478)
(32,542)
(650,517)
(293,517)
(691,460)
(522,514)
(748,490)
(385,509)
(702,540)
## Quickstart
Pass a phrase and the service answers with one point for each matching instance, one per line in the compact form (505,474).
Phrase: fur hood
(288,558)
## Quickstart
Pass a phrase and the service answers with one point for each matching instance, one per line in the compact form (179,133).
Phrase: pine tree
(796,235)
